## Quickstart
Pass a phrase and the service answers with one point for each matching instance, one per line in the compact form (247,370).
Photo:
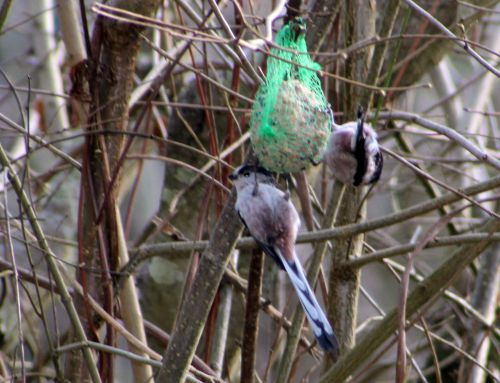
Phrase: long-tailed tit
(353,154)
(273,222)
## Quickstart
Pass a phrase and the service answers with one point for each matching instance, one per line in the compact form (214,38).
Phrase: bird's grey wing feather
(265,247)
(271,251)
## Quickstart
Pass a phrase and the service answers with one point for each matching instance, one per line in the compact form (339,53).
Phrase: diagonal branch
(445,131)
(424,292)
(147,251)
(449,33)
(194,310)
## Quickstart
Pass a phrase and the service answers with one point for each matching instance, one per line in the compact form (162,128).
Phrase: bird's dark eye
(246,174)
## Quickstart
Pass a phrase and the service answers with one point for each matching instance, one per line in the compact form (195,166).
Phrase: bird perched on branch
(353,154)
(273,222)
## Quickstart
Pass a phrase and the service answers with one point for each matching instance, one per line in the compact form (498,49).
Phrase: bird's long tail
(317,319)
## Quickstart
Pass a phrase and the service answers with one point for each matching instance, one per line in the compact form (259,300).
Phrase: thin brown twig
(447,32)
(345,231)
(444,130)
(435,358)
(249,347)
(180,163)
(478,7)
(405,283)
(403,249)
(191,68)
(54,269)
(320,72)
(423,293)
(125,16)
(440,183)
(15,274)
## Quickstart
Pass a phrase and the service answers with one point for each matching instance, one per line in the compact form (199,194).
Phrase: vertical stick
(248,351)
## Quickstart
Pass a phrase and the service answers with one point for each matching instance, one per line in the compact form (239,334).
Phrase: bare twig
(424,292)
(198,72)
(71,31)
(382,312)
(403,249)
(50,257)
(132,357)
(377,61)
(195,308)
(131,310)
(15,274)
(485,300)
(41,141)
(305,200)
(248,352)
(222,325)
(435,358)
(430,187)
(453,297)
(45,44)
(405,283)
(447,32)
(244,61)
(183,164)
(477,7)
(440,183)
(444,130)
(345,231)
(4,11)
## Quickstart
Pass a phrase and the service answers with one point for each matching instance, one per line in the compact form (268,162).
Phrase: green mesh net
(291,119)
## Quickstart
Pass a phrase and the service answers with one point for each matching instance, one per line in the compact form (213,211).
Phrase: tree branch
(424,292)
(172,248)
(449,33)
(195,308)
(51,261)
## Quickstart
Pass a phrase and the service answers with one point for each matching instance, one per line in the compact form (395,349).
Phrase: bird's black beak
(360,134)
(232,176)
(359,150)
